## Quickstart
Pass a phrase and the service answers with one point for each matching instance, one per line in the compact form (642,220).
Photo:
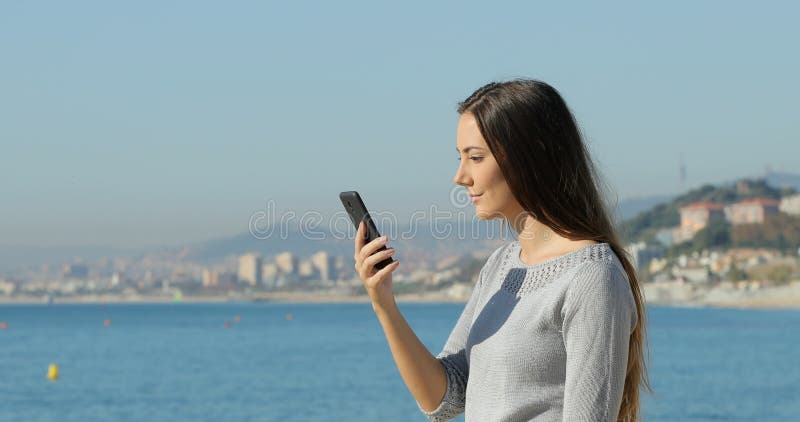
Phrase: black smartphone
(358,212)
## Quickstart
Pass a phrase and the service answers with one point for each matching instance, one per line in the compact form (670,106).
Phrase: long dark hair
(537,144)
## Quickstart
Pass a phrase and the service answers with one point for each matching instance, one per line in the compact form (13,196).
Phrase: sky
(138,124)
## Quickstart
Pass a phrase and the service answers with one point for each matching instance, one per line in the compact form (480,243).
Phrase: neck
(540,243)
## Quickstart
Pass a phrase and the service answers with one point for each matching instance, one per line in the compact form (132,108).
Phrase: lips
(474,197)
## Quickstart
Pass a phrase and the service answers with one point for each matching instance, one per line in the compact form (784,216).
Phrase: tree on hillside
(778,231)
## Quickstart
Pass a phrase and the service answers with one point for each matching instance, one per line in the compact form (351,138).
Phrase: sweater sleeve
(454,359)
(599,315)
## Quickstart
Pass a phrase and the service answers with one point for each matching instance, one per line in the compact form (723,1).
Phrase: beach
(745,294)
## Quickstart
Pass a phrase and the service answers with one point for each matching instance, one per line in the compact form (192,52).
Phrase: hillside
(645,224)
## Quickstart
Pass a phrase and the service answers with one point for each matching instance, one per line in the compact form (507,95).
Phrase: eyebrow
(469,148)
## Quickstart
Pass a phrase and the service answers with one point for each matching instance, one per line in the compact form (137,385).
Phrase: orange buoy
(3,325)
(237,318)
(289,316)
(107,322)
(227,324)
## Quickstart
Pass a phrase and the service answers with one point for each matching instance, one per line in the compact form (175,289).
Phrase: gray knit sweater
(543,342)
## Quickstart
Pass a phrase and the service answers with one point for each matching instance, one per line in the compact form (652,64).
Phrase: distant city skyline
(147,124)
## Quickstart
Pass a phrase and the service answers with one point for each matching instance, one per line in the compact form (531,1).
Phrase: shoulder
(499,254)
(495,262)
(603,281)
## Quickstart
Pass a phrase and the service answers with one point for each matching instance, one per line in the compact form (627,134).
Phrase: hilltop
(645,225)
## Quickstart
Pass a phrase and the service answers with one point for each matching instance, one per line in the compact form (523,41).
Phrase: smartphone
(358,212)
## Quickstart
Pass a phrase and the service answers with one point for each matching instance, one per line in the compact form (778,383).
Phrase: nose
(461,177)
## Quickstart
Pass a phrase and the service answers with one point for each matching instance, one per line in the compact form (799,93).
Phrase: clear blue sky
(149,123)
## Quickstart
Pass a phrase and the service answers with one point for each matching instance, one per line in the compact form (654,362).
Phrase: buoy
(52,372)
(107,322)
(289,316)
(237,318)
(3,325)
(227,324)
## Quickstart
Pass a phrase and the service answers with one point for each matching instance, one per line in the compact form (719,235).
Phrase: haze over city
(151,124)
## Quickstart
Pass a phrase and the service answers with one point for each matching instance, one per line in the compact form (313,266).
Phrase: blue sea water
(331,362)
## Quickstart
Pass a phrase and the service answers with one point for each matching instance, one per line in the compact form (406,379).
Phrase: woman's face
(480,174)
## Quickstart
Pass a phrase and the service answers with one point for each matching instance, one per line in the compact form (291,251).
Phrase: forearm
(422,373)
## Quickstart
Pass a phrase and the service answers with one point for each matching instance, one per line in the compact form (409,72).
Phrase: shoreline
(271,297)
(741,295)
(785,297)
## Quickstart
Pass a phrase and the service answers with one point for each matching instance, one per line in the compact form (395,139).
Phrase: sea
(330,362)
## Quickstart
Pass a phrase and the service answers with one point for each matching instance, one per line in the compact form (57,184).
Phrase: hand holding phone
(373,260)
(357,211)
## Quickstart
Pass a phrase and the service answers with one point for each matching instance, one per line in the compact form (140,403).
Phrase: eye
(476,159)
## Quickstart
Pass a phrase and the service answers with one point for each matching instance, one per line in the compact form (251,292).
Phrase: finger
(373,246)
(359,237)
(366,266)
(378,257)
(386,270)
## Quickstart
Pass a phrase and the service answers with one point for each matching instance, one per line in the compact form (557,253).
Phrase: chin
(487,215)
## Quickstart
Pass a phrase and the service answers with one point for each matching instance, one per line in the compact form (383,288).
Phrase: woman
(554,328)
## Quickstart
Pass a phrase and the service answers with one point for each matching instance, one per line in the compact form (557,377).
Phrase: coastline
(740,295)
(744,295)
(273,297)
